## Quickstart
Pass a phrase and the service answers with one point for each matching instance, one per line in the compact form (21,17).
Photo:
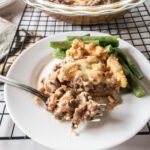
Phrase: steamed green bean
(103,40)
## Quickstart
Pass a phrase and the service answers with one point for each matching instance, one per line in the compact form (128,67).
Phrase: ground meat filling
(80,81)
(84,2)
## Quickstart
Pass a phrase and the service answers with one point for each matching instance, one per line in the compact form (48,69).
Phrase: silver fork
(15,83)
(35,92)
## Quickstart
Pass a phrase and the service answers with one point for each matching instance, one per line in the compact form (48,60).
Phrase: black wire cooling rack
(133,27)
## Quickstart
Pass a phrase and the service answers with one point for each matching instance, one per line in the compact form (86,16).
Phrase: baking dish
(85,14)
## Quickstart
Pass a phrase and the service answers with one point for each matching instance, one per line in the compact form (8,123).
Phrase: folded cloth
(7,31)
(23,38)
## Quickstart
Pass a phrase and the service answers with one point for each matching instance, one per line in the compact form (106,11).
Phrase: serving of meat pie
(84,2)
(83,83)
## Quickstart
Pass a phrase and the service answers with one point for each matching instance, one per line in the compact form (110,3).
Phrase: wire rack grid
(133,27)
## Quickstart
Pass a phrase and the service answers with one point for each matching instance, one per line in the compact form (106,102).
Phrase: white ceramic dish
(70,10)
(122,123)
(85,14)
(4,3)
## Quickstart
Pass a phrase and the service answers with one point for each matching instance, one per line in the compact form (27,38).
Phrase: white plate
(4,3)
(118,126)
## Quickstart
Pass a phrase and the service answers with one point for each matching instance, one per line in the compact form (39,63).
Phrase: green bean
(96,42)
(125,90)
(129,62)
(103,40)
(137,90)
(60,49)
(67,44)
(59,53)
(87,34)
(109,48)
(124,66)
(60,44)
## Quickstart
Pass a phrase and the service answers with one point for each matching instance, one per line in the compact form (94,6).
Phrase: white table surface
(138,142)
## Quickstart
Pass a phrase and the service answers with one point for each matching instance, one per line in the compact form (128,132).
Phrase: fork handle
(15,83)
